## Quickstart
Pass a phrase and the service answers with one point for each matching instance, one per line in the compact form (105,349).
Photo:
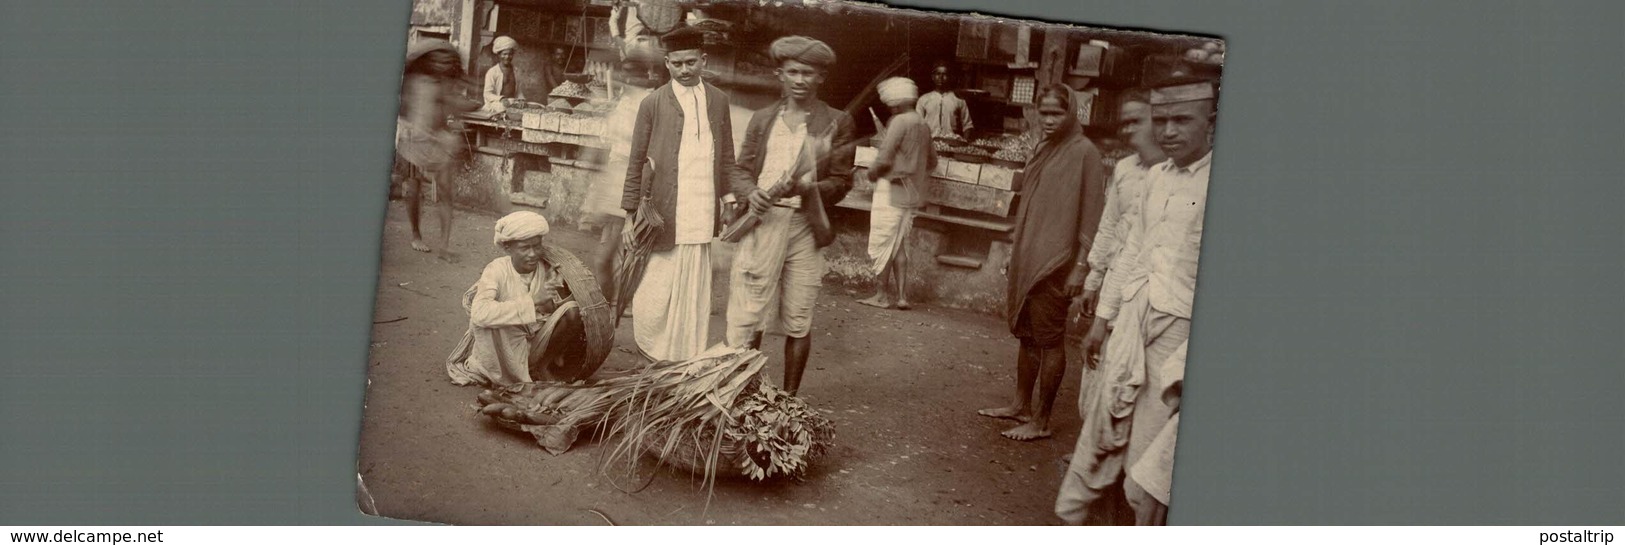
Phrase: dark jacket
(834,175)
(656,136)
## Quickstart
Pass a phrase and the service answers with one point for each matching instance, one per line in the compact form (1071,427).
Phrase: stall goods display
(570,89)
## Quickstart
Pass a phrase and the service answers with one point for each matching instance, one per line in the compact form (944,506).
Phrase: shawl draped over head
(503,43)
(803,50)
(520,226)
(898,91)
(1063,194)
(425,47)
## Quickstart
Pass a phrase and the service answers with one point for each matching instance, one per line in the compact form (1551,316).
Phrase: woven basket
(597,316)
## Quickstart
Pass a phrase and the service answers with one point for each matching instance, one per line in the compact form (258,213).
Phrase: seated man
(519,304)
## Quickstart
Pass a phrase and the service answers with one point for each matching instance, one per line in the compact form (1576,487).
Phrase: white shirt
(783,147)
(1124,196)
(1167,236)
(696,169)
(945,113)
(495,78)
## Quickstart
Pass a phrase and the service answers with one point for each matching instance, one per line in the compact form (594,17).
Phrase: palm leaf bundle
(712,415)
(633,257)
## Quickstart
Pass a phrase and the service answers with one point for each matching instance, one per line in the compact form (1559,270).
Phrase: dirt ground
(901,387)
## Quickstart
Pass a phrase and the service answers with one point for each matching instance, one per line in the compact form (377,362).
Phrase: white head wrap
(503,43)
(897,91)
(520,226)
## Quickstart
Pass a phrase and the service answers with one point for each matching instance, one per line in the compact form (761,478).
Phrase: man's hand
(625,227)
(1088,301)
(1074,281)
(1093,341)
(759,202)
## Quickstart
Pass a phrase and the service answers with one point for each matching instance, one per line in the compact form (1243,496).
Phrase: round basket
(689,456)
(596,319)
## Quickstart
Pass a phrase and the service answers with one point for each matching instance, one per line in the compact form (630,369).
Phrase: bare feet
(903,305)
(448,256)
(417,244)
(878,301)
(1030,431)
(1008,413)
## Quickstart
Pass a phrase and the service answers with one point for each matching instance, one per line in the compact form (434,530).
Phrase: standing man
(683,137)
(501,83)
(901,169)
(1125,411)
(1124,196)
(804,142)
(946,113)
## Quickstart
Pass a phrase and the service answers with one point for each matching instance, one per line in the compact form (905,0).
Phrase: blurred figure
(422,137)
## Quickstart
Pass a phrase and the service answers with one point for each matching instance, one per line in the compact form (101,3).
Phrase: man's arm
(887,154)
(487,311)
(1107,242)
(742,176)
(963,114)
(493,85)
(632,188)
(843,149)
(1094,195)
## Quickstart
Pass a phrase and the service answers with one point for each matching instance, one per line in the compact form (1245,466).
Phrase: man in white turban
(501,83)
(512,309)
(901,168)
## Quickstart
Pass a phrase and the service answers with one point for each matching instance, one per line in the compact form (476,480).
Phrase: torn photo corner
(971,308)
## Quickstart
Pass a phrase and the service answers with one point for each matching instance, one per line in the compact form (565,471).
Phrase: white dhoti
(671,312)
(1121,405)
(888,227)
(777,270)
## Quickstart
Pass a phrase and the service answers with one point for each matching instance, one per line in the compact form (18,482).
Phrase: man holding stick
(797,155)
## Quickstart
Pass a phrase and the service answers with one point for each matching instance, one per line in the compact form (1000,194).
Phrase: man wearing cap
(501,84)
(1126,411)
(518,298)
(796,158)
(901,168)
(942,109)
(683,139)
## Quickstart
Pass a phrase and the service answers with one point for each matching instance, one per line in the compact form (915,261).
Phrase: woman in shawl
(433,68)
(1063,194)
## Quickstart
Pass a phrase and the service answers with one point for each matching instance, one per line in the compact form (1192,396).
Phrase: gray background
(1410,308)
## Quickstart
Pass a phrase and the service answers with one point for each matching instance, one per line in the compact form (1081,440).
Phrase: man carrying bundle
(900,171)
(683,137)
(797,156)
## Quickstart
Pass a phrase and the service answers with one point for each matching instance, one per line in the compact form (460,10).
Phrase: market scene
(789,263)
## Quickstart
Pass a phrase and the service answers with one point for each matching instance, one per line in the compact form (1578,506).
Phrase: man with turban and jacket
(678,163)
(796,158)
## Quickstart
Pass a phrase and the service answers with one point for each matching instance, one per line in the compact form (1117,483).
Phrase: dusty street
(901,387)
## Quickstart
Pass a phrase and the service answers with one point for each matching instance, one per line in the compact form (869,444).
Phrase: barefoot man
(1060,211)
(778,267)
(901,169)
(428,96)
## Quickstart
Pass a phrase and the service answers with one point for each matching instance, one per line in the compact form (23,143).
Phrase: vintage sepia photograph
(716,262)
